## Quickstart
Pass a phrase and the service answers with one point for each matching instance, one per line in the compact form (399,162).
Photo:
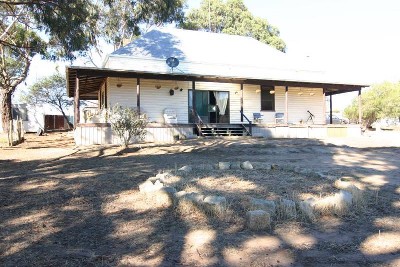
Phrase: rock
(357,193)
(258,220)
(163,177)
(205,167)
(297,169)
(180,194)
(215,203)
(343,183)
(261,166)
(287,209)
(186,169)
(194,197)
(274,167)
(165,195)
(224,165)
(146,187)
(158,185)
(337,203)
(149,187)
(235,165)
(246,165)
(153,179)
(307,210)
(262,204)
(346,196)
(168,190)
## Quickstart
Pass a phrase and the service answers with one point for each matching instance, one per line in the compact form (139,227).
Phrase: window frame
(267,89)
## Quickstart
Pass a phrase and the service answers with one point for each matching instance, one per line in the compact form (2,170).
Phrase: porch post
(241,102)
(330,108)
(76,102)
(105,94)
(138,94)
(359,107)
(324,105)
(194,100)
(286,104)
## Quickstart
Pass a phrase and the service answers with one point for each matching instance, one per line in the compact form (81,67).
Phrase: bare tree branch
(33,2)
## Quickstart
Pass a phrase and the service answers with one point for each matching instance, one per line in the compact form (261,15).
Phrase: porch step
(223,130)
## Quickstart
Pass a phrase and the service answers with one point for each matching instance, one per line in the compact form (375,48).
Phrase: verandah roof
(91,80)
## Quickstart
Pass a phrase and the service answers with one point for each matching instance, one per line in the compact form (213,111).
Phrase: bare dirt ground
(68,206)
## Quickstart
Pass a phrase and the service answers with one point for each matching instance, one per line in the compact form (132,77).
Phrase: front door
(211,106)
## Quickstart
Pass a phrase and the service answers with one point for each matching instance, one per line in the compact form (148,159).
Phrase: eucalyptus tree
(53,29)
(232,17)
(65,29)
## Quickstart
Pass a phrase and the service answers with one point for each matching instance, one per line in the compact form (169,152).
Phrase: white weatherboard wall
(124,95)
(154,101)
(299,104)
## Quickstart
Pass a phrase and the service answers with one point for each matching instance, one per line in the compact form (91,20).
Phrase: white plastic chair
(170,116)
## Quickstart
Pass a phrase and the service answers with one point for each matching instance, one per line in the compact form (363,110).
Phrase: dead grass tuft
(334,204)
(286,210)
(189,211)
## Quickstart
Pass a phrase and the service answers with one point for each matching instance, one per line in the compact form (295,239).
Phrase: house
(43,117)
(215,84)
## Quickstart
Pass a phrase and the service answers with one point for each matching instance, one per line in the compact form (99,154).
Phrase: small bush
(127,123)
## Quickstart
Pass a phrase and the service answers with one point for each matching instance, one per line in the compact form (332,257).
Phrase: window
(19,113)
(267,99)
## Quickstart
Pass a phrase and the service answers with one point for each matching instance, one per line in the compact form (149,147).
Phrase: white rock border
(261,211)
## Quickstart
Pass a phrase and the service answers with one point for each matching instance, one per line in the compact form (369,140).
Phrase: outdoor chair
(170,116)
(257,117)
(279,118)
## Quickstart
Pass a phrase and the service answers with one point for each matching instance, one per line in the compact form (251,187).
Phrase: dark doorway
(55,122)
(211,106)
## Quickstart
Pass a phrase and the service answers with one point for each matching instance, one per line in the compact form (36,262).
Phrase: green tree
(50,90)
(54,29)
(68,28)
(232,17)
(380,101)
(15,60)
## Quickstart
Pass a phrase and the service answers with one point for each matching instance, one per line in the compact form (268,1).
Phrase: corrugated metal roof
(222,55)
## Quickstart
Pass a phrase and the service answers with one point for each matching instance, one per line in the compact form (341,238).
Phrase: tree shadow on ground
(85,209)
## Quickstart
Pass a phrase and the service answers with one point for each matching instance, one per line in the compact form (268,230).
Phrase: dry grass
(238,186)
(94,215)
(3,140)
(286,210)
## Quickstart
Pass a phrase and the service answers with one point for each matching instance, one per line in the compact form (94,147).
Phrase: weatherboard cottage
(193,83)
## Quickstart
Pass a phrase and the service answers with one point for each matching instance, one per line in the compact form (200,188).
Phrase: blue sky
(359,38)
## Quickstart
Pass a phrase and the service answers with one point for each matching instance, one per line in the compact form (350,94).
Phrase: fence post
(10,133)
(19,130)
(22,130)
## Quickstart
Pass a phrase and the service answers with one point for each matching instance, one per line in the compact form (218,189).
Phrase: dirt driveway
(68,206)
